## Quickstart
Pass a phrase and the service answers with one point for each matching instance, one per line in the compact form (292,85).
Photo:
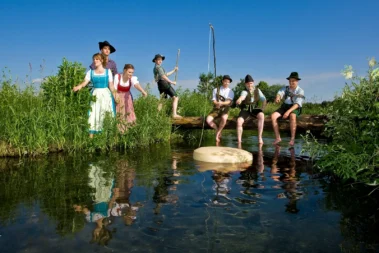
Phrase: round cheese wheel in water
(222,155)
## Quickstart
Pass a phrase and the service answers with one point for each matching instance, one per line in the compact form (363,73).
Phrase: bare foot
(177,116)
(277,141)
(292,142)
(260,141)
(239,145)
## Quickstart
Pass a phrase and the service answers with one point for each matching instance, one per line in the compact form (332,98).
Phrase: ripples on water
(160,200)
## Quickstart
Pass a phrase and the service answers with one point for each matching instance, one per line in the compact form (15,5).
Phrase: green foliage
(57,118)
(240,86)
(208,82)
(55,183)
(194,103)
(270,90)
(354,127)
(152,125)
(262,85)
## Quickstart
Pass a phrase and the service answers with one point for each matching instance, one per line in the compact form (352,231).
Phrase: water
(162,201)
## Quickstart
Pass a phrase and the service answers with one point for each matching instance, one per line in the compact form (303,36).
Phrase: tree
(263,86)
(207,83)
(270,92)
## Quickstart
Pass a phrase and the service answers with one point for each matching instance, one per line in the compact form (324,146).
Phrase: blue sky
(267,39)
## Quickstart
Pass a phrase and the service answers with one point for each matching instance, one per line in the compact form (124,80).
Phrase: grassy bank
(54,118)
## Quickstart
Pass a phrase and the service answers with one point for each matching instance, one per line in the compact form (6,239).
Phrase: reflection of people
(123,83)
(166,184)
(164,83)
(248,102)
(289,180)
(249,177)
(222,99)
(122,206)
(105,194)
(103,88)
(221,187)
(293,97)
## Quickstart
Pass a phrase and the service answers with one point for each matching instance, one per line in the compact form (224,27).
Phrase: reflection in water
(249,179)
(104,196)
(164,191)
(215,208)
(125,181)
(288,178)
(222,187)
(222,179)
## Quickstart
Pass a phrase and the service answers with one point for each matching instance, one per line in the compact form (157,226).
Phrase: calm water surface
(159,199)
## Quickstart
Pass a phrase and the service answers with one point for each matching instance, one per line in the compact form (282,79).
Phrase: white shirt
(88,75)
(227,93)
(125,84)
(296,100)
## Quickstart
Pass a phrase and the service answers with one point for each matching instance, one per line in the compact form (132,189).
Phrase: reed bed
(54,118)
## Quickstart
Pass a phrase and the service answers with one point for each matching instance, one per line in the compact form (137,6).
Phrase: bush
(354,127)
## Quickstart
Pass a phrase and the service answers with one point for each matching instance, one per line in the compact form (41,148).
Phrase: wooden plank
(314,123)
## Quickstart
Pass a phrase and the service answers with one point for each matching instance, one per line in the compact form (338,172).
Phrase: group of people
(112,91)
(252,103)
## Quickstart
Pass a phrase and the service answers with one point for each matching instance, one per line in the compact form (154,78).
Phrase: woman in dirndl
(125,109)
(102,81)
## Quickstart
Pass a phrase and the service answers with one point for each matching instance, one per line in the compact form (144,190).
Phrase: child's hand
(76,88)
(116,97)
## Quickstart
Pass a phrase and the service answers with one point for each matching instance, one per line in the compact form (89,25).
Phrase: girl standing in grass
(123,83)
(102,81)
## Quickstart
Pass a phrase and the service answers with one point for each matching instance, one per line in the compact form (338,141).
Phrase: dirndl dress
(125,107)
(104,102)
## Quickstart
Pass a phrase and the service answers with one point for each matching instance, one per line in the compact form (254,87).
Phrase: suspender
(287,94)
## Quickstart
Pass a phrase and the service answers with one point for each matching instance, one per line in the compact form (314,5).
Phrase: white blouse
(124,84)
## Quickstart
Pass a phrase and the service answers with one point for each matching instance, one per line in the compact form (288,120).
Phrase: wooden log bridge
(313,123)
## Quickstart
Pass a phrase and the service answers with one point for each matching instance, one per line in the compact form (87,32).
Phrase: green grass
(56,119)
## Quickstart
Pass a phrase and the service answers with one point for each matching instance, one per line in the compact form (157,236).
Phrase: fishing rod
(214,48)
(211,38)
(177,60)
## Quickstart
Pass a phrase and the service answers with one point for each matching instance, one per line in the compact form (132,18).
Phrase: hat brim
(163,57)
(288,78)
(111,48)
(230,79)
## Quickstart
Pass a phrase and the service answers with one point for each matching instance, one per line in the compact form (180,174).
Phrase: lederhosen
(164,87)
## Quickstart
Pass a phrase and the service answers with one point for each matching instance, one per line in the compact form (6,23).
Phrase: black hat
(158,56)
(106,43)
(227,77)
(294,75)
(248,79)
